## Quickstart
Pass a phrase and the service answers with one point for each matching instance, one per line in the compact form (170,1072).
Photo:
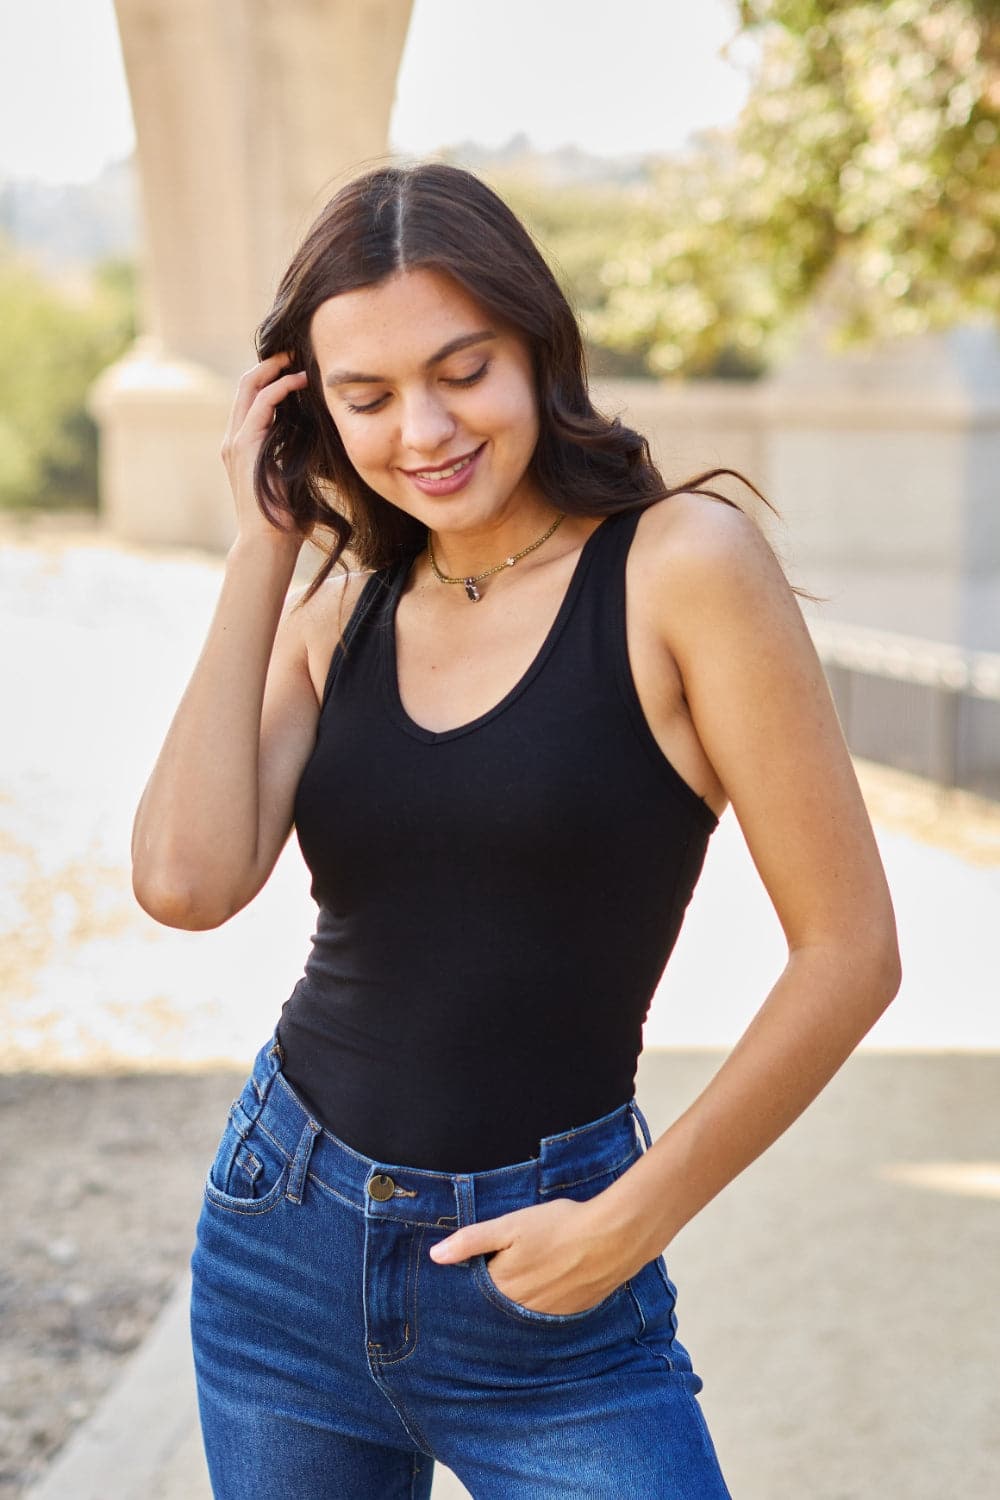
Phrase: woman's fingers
(261,411)
(474,1239)
(260,391)
(251,383)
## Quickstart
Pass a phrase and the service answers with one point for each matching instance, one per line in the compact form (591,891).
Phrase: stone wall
(884,466)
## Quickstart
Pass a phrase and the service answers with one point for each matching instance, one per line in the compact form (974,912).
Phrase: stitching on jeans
(242,1152)
(276,1143)
(601,1172)
(359,1207)
(409,1302)
(327,1187)
(410,1223)
(299,1173)
(668,1288)
(668,1362)
(515,1311)
(408,1422)
(638,1308)
(640,1337)
(392,1356)
(223,1201)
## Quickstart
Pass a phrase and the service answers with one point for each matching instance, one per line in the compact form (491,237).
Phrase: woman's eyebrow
(353,377)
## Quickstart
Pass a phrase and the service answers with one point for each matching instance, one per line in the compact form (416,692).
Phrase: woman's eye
(372,405)
(471,379)
(457,380)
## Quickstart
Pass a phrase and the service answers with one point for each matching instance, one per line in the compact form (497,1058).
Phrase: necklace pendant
(471,590)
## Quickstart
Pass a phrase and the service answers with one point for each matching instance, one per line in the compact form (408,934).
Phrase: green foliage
(55,344)
(576,228)
(874,131)
(866,162)
(641,266)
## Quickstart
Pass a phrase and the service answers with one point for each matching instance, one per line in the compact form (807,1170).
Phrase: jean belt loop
(300,1162)
(241,1117)
(637,1114)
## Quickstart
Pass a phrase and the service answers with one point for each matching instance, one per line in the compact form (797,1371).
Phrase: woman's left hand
(559,1257)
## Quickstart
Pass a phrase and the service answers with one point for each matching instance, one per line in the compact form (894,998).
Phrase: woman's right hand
(260,392)
(218,806)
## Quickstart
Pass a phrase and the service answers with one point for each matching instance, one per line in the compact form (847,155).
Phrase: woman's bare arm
(763,713)
(216,810)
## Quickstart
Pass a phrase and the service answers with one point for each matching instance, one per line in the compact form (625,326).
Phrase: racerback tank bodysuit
(496,901)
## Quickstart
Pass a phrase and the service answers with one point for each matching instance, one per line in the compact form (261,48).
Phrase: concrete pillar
(248,114)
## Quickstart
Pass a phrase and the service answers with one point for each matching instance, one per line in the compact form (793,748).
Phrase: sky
(635,76)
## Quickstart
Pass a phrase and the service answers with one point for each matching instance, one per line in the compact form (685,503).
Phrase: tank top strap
(603,611)
(619,530)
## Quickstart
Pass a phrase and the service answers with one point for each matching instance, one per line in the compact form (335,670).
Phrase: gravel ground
(114,1027)
(101,1225)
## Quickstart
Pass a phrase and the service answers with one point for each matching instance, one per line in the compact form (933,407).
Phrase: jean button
(381,1187)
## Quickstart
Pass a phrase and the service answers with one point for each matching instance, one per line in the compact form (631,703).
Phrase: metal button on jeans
(381,1187)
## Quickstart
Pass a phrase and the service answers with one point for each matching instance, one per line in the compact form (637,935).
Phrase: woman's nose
(426,425)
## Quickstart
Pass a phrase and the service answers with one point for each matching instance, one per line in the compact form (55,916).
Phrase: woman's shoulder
(339,591)
(691,525)
(699,559)
(688,539)
(324,615)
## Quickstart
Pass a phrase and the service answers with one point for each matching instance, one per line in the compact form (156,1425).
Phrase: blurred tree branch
(874,136)
(866,165)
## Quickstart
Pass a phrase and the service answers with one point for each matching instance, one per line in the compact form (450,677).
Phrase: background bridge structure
(883,463)
(248,115)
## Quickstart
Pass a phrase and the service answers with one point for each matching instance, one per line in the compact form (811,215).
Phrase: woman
(430,1229)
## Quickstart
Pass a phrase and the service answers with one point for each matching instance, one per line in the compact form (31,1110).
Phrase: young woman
(431,1230)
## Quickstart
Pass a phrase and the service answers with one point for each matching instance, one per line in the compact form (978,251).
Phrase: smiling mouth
(447,471)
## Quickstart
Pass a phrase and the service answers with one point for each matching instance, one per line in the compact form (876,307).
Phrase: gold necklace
(508,562)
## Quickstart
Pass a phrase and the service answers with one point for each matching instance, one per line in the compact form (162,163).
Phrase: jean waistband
(393,1190)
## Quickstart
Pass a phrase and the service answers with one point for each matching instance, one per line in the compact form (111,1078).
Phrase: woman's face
(417,376)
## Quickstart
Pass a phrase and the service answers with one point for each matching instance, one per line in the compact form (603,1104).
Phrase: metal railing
(921,705)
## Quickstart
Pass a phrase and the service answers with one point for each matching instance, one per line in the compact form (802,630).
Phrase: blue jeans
(336,1361)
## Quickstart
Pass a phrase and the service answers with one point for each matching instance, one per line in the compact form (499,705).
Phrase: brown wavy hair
(400,217)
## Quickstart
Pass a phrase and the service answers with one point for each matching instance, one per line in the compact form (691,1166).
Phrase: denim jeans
(336,1361)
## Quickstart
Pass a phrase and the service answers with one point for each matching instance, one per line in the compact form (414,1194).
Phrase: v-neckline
(390,674)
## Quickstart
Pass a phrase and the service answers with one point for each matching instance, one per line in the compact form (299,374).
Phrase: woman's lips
(453,482)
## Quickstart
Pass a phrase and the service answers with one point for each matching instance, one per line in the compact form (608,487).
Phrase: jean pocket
(249,1172)
(487,1286)
(499,1299)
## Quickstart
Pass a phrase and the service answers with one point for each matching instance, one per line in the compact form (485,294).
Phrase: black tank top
(497,901)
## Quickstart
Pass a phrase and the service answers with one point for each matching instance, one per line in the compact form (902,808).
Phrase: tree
(870,146)
(55,344)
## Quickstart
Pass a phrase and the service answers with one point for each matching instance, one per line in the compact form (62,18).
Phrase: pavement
(839,1299)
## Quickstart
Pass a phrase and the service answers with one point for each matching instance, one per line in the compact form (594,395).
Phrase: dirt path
(104,1172)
